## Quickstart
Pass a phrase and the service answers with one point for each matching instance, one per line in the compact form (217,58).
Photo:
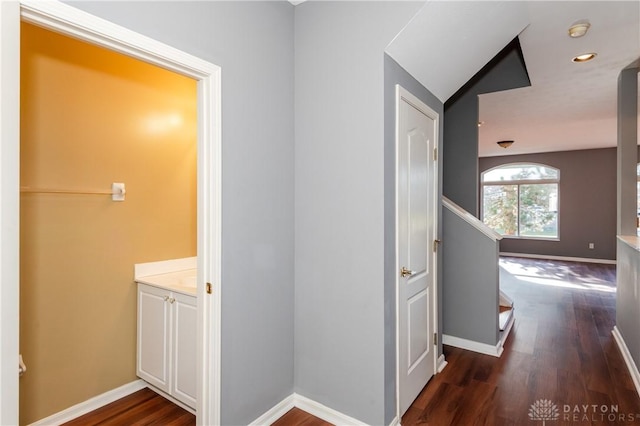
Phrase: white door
(416,174)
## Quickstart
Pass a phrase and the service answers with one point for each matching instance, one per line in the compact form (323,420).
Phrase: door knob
(404,272)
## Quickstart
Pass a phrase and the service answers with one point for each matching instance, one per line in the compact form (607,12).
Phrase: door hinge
(209,288)
(435,244)
(435,154)
(435,339)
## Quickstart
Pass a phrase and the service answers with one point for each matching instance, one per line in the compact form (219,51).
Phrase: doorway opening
(91,117)
(67,20)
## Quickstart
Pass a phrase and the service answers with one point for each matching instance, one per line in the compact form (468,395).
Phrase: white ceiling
(446,43)
(569,105)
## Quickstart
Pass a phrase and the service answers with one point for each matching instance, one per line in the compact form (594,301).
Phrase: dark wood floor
(560,350)
(144,407)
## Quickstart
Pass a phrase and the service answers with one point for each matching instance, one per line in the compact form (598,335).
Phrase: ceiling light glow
(585,57)
(579,29)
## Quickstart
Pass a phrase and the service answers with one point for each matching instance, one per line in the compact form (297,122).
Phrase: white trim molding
(442,363)
(561,258)
(628,359)
(470,219)
(482,348)
(275,412)
(91,404)
(10,217)
(507,329)
(310,406)
(323,412)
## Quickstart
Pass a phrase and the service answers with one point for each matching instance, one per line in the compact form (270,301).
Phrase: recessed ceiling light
(585,57)
(579,29)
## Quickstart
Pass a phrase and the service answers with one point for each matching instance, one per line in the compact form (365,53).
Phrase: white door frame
(65,19)
(402,93)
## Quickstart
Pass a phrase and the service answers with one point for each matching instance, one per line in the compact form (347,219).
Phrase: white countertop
(177,275)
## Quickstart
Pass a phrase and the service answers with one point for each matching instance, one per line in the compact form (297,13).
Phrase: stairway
(505,311)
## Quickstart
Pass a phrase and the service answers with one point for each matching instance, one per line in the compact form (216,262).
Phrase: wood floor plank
(114,409)
(144,407)
(297,417)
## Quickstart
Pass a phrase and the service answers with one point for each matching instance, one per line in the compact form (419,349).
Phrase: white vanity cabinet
(166,355)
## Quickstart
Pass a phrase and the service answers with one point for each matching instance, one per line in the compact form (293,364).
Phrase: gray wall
(253,43)
(340,203)
(628,266)
(627,147)
(470,300)
(587,203)
(460,180)
(395,74)
(627,301)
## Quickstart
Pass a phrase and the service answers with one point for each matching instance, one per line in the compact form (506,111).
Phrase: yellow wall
(91,117)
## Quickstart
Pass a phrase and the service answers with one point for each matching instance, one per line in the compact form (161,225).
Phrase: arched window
(521,200)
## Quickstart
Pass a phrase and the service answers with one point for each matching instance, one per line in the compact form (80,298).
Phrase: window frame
(518,183)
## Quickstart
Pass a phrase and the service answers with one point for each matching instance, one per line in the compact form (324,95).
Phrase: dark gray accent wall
(395,74)
(505,71)
(587,203)
(253,43)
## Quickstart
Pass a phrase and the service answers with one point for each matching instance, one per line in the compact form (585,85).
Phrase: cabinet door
(154,336)
(184,380)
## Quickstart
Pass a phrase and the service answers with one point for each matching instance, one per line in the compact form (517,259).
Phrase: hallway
(560,350)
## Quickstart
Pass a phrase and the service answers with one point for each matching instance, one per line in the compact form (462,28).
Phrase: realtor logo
(544,409)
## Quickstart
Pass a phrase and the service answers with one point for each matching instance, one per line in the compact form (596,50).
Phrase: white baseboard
(312,407)
(91,404)
(507,330)
(395,422)
(628,359)
(562,258)
(470,345)
(323,412)
(273,414)
(441,364)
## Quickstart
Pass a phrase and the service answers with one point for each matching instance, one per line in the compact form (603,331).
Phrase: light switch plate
(117,191)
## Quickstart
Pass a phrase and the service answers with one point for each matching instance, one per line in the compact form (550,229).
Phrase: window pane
(500,207)
(539,210)
(520,172)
